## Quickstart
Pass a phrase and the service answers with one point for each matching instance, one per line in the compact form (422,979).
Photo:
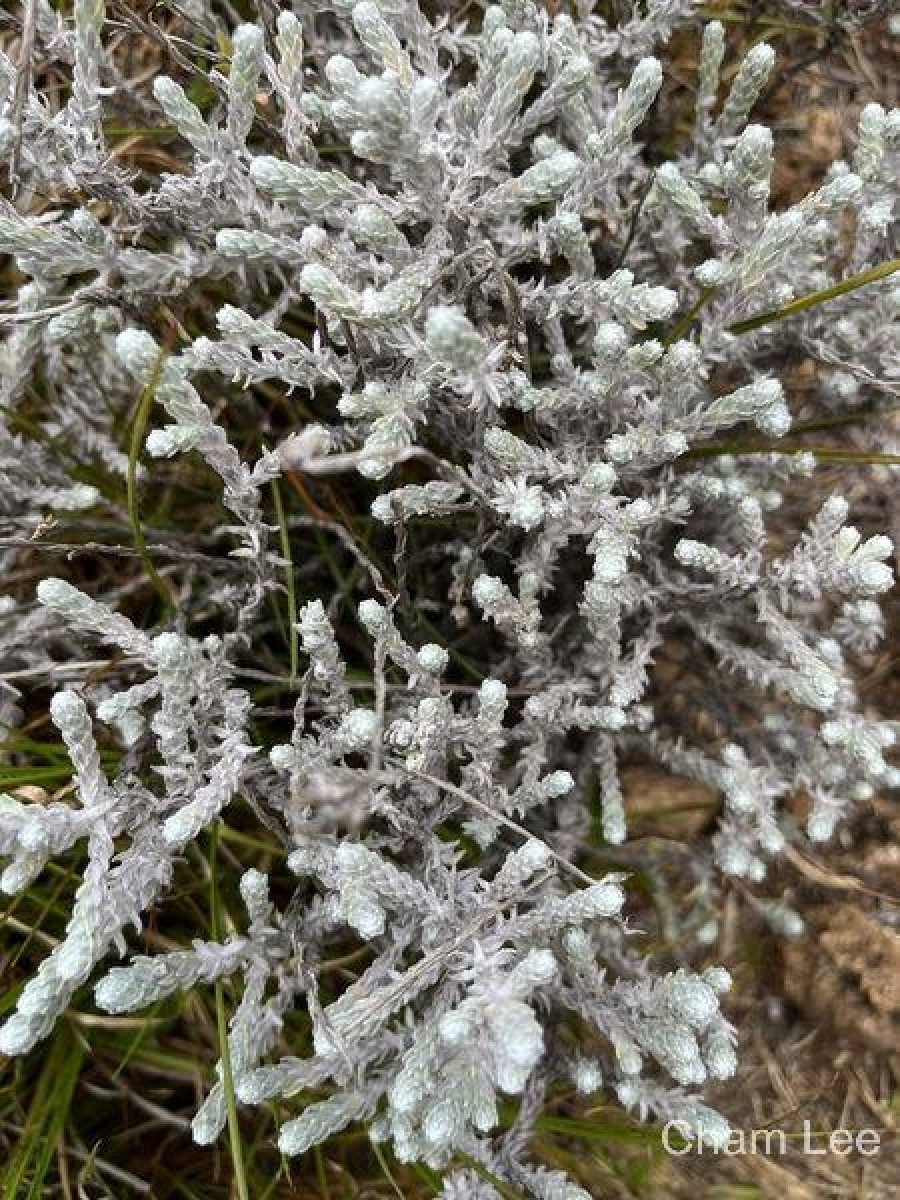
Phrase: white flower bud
(374,616)
(433,658)
(452,339)
(693,999)
(357,729)
(587,1076)
(747,86)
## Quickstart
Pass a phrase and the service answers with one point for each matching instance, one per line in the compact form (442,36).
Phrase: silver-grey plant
(446,236)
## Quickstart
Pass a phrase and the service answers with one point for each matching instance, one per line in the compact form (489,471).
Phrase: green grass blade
(430,1178)
(234,1130)
(600,1129)
(802,303)
(135,446)
(46,1118)
(679,330)
(825,453)
(507,1192)
(284,535)
(386,1170)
